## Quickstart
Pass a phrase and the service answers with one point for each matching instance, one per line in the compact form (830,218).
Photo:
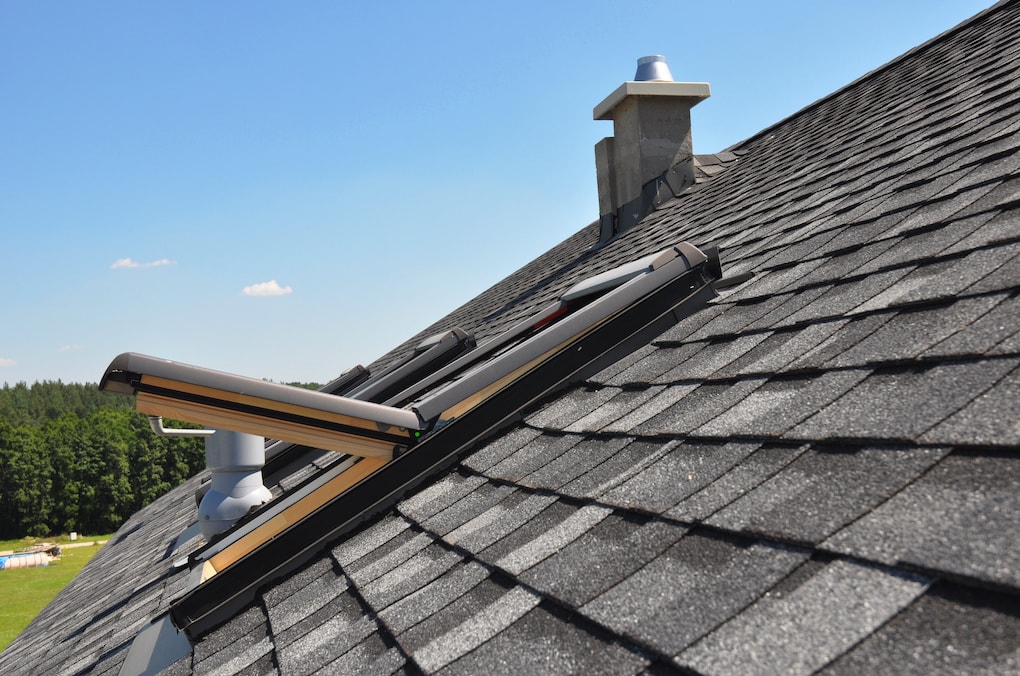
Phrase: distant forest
(73,458)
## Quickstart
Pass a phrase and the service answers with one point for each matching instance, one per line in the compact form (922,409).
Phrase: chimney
(650,158)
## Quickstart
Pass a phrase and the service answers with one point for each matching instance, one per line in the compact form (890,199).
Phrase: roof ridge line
(909,54)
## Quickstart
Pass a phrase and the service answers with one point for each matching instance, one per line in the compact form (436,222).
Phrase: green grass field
(26,591)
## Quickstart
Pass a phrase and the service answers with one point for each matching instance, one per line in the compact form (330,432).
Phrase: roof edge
(927,44)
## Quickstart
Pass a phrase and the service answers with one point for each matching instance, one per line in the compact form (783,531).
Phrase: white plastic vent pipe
(236,462)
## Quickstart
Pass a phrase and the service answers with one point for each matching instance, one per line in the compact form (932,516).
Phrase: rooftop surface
(819,471)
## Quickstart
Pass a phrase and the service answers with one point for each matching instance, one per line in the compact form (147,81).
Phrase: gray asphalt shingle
(578,460)
(683,469)
(698,407)
(620,466)
(909,333)
(991,419)
(483,497)
(817,472)
(606,554)
(541,643)
(960,517)
(425,602)
(690,589)
(761,464)
(331,631)
(532,457)
(780,404)
(984,334)
(499,521)
(806,628)
(413,574)
(945,631)
(823,490)
(903,403)
(487,621)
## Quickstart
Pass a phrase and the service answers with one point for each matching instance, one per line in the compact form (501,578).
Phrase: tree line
(73,458)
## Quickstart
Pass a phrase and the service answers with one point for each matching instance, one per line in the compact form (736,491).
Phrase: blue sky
(283,190)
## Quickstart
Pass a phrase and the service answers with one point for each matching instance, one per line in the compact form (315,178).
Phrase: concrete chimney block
(651,144)
(605,171)
(652,134)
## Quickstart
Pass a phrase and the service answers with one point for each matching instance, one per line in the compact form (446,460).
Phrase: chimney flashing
(695,92)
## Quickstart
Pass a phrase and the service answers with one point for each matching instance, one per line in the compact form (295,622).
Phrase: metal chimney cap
(653,69)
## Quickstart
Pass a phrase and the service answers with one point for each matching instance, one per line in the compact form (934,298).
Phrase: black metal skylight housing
(592,325)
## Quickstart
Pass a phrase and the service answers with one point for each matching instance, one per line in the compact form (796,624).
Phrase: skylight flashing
(441,344)
(357,383)
(347,380)
(257,519)
(340,385)
(443,415)
(157,646)
(285,512)
(580,293)
(433,352)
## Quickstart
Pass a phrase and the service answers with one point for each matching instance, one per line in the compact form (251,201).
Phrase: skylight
(418,430)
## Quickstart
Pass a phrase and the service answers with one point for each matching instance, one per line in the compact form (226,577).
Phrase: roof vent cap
(653,69)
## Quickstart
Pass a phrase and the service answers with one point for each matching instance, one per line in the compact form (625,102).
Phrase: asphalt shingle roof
(820,471)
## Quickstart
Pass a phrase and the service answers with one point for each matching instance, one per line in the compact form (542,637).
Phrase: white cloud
(270,288)
(71,348)
(128,263)
(6,362)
